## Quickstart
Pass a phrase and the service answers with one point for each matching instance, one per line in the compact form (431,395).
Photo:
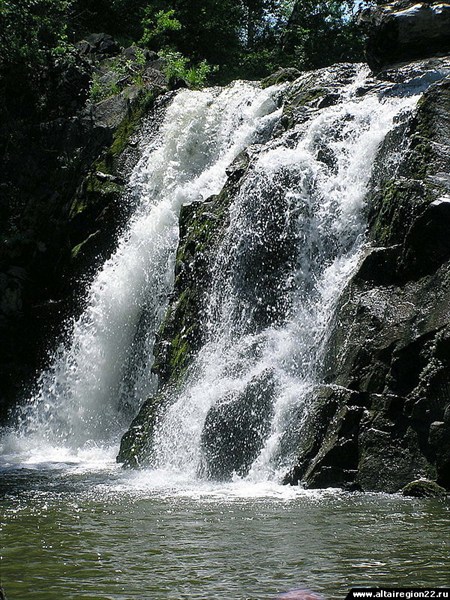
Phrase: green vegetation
(252,38)
(157,27)
(321,33)
(36,56)
(42,76)
(178,67)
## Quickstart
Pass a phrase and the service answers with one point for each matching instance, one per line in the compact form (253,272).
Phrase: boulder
(99,43)
(236,428)
(423,488)
(403,31)
(280,76)
(136,445)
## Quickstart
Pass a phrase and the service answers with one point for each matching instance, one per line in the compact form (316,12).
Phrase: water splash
(79,400)
(295,236)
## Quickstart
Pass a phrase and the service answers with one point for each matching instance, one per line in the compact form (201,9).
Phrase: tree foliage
(40,70)
(36,56)
(323,32)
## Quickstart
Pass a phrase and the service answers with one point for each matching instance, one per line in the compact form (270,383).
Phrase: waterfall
(295,235)
(80,397)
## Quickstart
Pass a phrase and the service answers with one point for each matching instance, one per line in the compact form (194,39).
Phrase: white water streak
(324,200)
(78,397)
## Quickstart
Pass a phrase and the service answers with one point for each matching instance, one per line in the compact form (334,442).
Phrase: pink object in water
(300,594)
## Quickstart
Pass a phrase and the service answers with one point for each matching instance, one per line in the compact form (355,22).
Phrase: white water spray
(78,398)
(299,213)
(303,197)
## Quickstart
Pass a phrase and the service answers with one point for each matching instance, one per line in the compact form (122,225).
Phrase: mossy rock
(394,208)
(281,76)
(201,227)
(136,445)
(299,100)
(99,189)
(424,488)
(129,125)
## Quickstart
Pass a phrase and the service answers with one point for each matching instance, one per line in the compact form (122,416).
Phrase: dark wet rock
(323,404)
(336,462)
(439,440)
(238,167)
(292,477)
(390,346)
(314,90)
(423,488)
(404,31)
(236,428)
(99,44)
(136,445)
(447,415)
(391,343)
(95,215)
(389,457)
(281,76)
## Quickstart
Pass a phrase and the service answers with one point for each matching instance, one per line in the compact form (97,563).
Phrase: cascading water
(294,237)
(73,522)
(79,398)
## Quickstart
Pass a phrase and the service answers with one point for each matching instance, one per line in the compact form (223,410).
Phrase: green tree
(265,19)
(320,33)
(120,18)
(158,28)
(38,64)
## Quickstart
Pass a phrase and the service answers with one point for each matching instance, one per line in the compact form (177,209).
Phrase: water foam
(320,173)
(78,399)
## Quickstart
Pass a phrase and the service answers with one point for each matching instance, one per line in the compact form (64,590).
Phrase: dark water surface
(66,534)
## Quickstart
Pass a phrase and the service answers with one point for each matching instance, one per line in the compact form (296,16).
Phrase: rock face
(388,360)
(403,31)
(235,430)
(61,184)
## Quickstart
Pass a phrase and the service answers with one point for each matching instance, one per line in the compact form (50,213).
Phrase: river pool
(71,531)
